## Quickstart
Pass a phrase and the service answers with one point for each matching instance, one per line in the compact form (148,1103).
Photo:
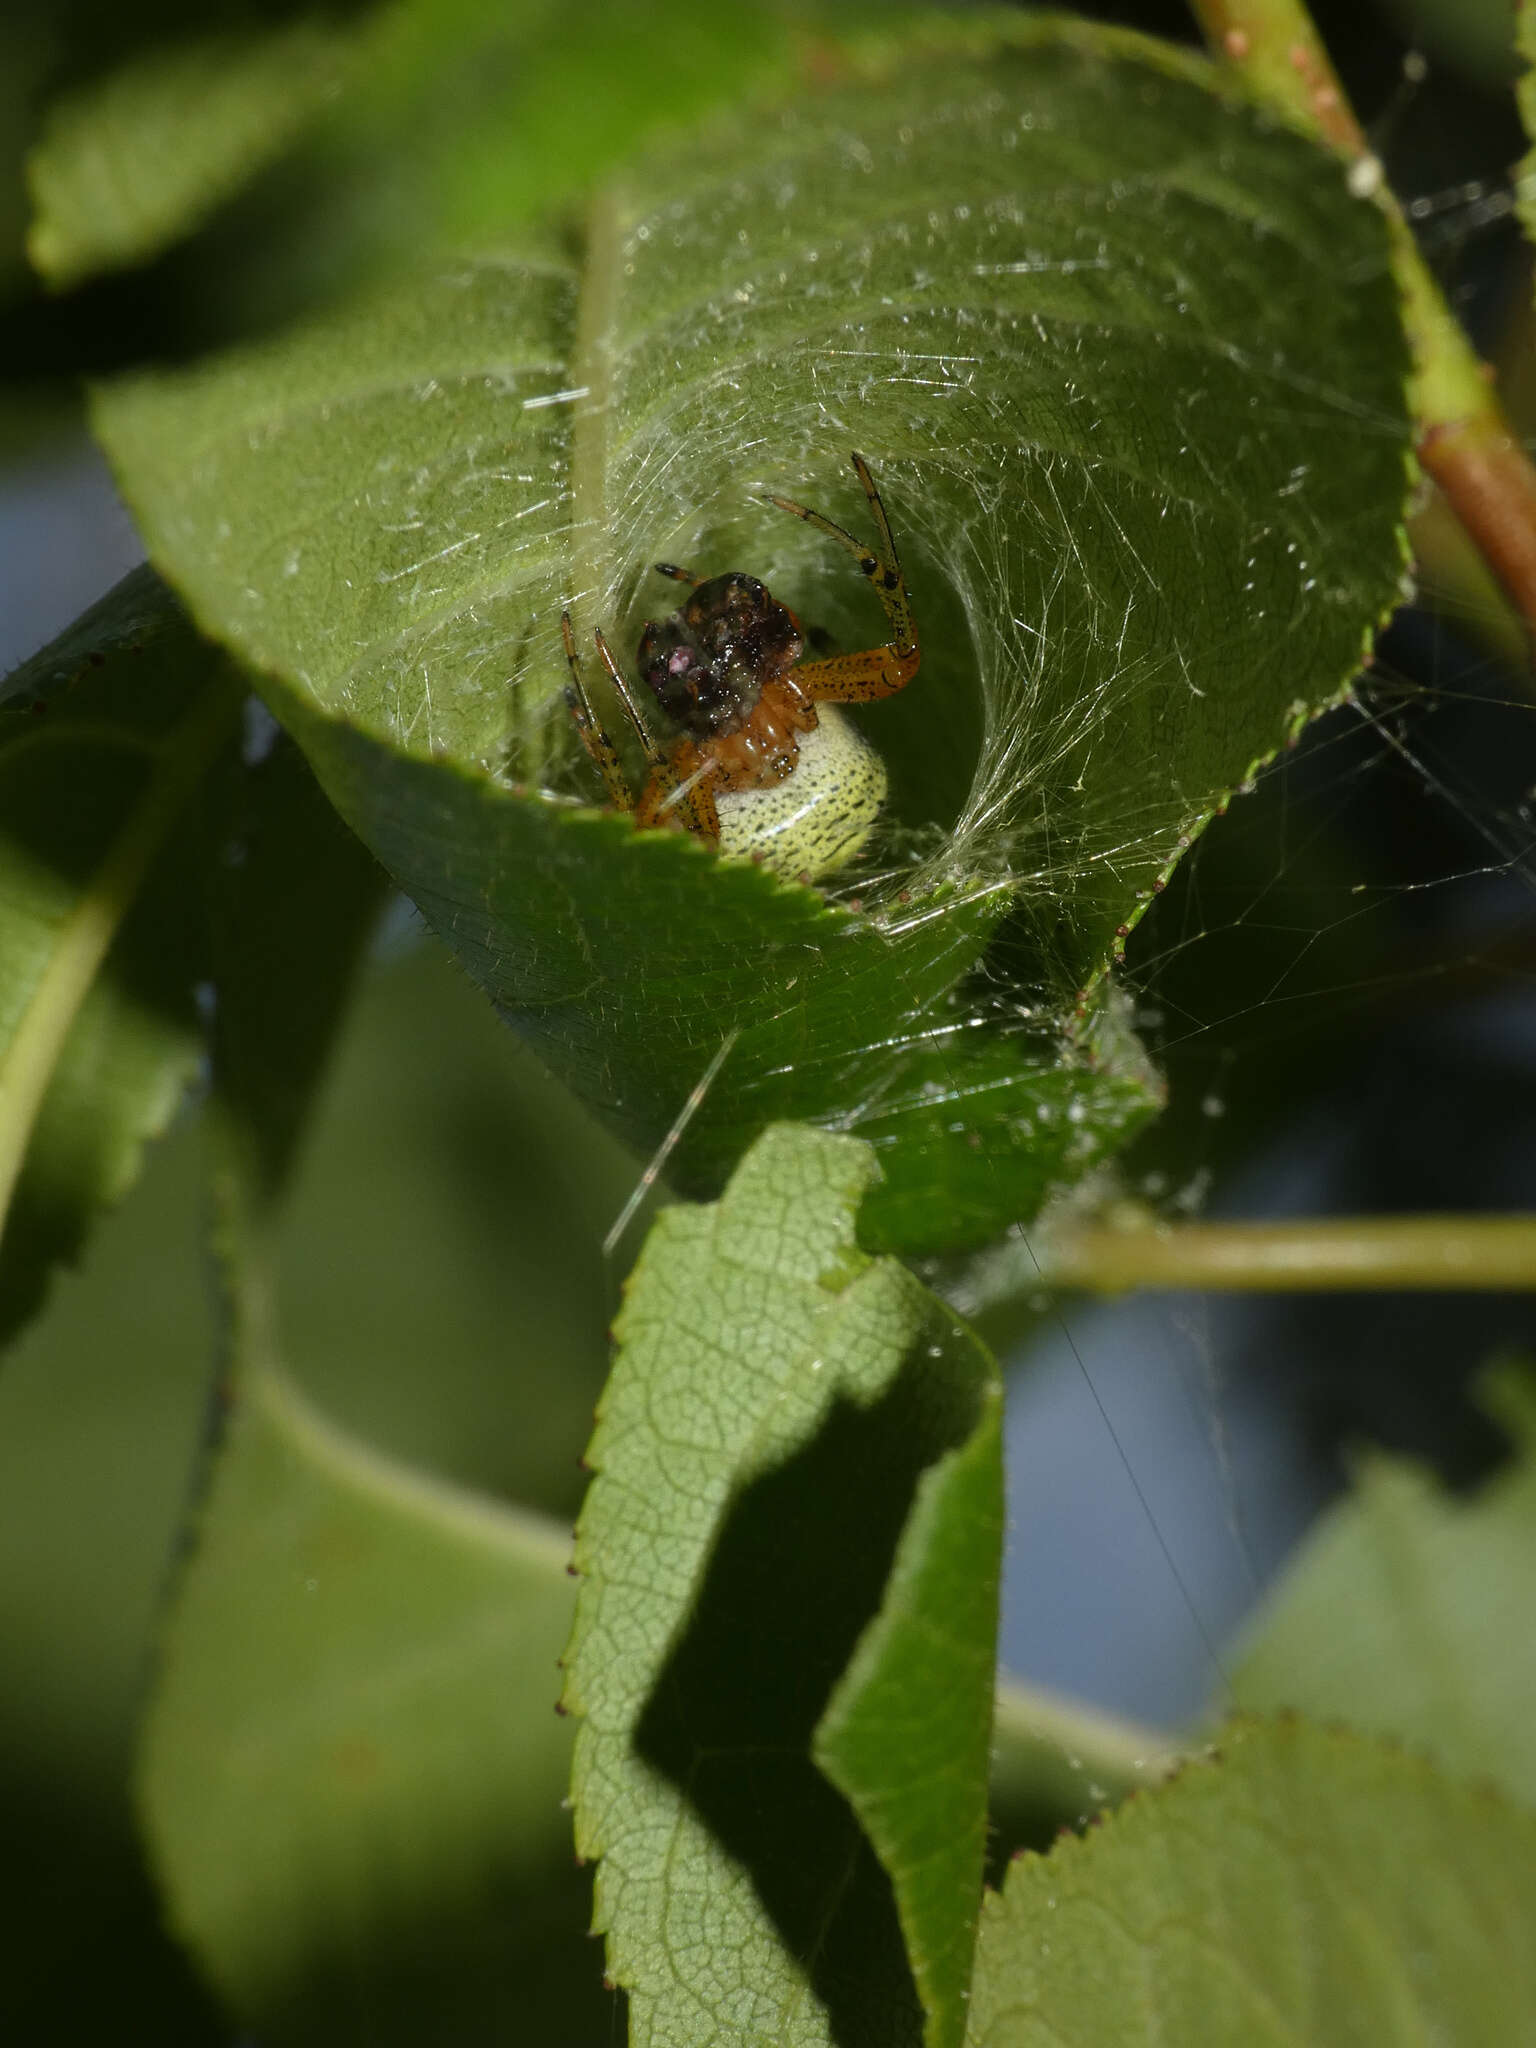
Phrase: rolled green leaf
(1125,361)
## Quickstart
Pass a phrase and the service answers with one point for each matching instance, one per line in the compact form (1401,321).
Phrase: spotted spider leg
(665,789)
(861,677)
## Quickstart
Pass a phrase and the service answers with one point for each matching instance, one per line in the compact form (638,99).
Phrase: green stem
(541,1545)
(1422,1252)
(1465,441)
(28,1061)
(1277,48)
(1051,1751)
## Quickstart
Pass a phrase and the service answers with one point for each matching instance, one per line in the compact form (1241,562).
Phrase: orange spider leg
(680,793)
(676,790)
(672,794)
(857,678)
(678,575)
(873,672)
(594,736)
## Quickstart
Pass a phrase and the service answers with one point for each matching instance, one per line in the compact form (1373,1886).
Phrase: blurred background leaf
(419,1235)
(139,158)
(113,742)
(101,1410)
(1407,1611)
(1305,1883)
(282,155)
(352,1777)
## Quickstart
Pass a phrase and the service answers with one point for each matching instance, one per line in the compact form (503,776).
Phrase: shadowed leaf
(106,845)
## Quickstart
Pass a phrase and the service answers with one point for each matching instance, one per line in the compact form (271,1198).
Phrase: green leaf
(1525,99)
(447,1208)
(831,1015)
(283,884)
(1126,362)
(1476,39)
(352,1774)
(790,1556)
(443,1167)
(422,121)
(292,915)
(906,1735)
(1408,1611)
(27,53)
(105,738)
(1302,1885)
(129,162)
(102,1406)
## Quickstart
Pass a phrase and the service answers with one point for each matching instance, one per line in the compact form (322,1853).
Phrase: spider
(763,764)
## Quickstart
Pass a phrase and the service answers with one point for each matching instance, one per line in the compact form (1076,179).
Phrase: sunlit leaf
(105,847)
(1408,1612)
(1302,1885)
(1124,361)
(790,1556)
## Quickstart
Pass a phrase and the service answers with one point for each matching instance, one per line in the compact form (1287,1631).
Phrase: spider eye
(678,673)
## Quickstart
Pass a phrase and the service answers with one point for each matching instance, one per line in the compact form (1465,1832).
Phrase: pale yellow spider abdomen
(820,817)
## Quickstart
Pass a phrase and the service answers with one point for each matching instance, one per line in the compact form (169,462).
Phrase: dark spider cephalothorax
(756,767)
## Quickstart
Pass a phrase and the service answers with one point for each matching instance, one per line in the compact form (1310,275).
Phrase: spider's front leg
(871,672)
(680,792)
(676,792)
(594,734)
